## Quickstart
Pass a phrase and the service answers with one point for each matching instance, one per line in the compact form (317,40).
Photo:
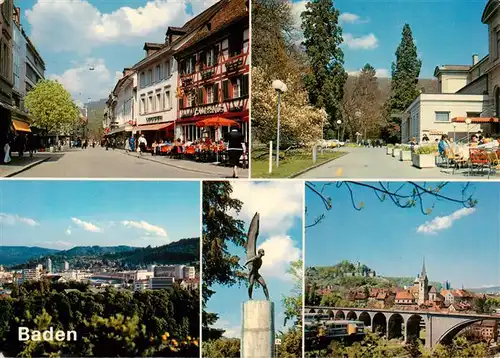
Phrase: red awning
(154,127)
(476,120)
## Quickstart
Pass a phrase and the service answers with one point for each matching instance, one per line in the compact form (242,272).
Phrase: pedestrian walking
(132,143)
(143,144)
(127,145)
(235,148)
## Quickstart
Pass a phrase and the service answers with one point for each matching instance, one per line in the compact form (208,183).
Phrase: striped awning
(476,119)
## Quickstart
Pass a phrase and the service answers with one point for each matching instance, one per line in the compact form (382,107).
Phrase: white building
(32,274)
(142,285)
(49,265)
(466,91)
(161,283)
(120,113)
(66,266)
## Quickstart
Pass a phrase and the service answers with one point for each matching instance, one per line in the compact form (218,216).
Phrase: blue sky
(74,35)
(63,214)
(461,246)
(280,206)
(446,31)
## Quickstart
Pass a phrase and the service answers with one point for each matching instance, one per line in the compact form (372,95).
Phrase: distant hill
(96,116)
(83,257)
(494,290)
(14,255)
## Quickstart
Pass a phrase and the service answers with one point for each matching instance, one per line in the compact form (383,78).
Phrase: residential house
(404,298)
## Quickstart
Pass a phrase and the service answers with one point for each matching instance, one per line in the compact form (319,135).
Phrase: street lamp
(339,122)
(454,132)
(468,121)
(280,87)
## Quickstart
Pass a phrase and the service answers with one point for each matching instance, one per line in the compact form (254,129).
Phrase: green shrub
(390,145)
(427,149)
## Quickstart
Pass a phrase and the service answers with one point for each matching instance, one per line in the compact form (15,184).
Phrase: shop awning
(476,120)
(154,127)
(21,126)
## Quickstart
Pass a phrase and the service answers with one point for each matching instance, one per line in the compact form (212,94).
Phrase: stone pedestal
(257,329)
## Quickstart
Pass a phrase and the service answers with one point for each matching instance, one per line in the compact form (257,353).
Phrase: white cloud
(380,73)
(366,42)
(444,222)
(83,83)
(229,331)
(278,203)
(297,8)
(350,18)
(147,227)
(78,26)
(85,225)
(10,219)
(68,231)
(280,251)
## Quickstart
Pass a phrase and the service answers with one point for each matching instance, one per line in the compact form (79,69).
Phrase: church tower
(423,288)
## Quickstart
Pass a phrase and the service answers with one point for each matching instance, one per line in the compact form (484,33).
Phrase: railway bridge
(440,327)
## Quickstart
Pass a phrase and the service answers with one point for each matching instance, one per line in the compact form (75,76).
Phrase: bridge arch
(365,318)
(351,316)
(395,326)
(379,323)
(413,327)
(339,314)
(448,336)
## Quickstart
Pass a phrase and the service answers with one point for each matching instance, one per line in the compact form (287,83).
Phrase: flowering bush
(300,123)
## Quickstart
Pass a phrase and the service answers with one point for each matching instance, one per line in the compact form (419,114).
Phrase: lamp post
(454,132)
(280,87)
(468,121)
(339,122)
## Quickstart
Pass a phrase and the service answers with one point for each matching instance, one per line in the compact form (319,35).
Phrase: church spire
(424,273)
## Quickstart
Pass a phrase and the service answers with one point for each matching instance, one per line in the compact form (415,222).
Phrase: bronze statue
(254,260)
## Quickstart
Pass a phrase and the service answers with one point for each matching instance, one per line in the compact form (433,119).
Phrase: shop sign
(215,109)
(154,119)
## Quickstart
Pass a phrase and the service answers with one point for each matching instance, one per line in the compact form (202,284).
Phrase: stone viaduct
(440,327)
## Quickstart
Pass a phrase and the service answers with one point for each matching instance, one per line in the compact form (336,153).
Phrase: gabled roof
(152,46)
(223,14)
(404,295)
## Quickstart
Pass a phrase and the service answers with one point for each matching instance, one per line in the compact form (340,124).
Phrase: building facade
(214,68)
(466,91)
(6,84)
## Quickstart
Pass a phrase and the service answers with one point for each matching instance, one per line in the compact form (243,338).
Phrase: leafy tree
(362,105)
(51,107)
(220,229)
(291,343)
(404,86)
(322,39)
(293,302)
(222,348)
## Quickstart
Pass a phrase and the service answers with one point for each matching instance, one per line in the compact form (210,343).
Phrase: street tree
(404,86)
(322,39)
(362,104)
(51,107)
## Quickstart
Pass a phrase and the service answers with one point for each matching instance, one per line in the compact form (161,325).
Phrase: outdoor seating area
(203,152)
(471,159)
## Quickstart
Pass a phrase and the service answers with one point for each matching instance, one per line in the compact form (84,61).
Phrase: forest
(110,323)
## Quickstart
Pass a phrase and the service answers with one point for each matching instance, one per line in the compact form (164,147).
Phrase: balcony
(207,74)
(233,65)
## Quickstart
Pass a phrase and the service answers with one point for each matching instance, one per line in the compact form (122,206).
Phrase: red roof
(404,295)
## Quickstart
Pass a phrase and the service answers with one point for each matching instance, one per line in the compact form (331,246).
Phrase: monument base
(257,329)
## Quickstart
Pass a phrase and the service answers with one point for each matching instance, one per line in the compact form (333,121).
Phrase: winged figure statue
(254,259)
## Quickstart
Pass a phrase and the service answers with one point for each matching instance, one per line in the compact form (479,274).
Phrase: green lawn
(290,163)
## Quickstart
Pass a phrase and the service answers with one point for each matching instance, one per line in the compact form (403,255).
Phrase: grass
(291,163)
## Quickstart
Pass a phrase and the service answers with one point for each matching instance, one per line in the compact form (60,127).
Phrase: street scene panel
(373,94)
(159,89)
(95,277)
(402,269)
(252,269)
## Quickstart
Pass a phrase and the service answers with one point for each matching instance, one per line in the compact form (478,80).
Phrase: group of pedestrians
(130,145)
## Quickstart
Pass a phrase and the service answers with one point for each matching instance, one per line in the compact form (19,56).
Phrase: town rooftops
(152,46)
(404,295)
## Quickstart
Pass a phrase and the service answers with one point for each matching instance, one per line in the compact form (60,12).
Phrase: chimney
(475,59)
